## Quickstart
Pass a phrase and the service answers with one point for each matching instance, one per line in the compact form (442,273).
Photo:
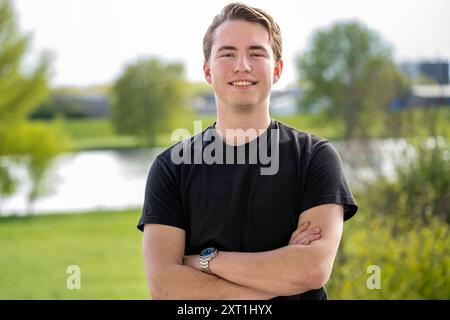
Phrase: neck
(244,118)
(251,117)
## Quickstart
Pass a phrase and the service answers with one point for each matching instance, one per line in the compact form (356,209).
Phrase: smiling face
(241,67)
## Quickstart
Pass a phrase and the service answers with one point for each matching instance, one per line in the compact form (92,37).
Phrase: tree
(21,141)
(145,96)
(349,71)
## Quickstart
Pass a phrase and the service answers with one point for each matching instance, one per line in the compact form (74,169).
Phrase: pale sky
(92,40)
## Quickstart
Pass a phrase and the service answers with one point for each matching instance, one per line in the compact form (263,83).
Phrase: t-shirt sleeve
(325,181)
(162,201)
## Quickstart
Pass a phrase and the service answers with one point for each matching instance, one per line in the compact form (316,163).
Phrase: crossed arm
(304,264)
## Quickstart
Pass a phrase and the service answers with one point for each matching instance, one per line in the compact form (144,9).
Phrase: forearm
(286,271)
(183,282)
(304,264)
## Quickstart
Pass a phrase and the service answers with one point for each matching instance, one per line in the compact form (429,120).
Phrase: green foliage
(414,263)
(146,96)
(349,72)
(402,227)
(422,188)
(195,89)
(33,145)
(418,122)
(317,123)
(21,141)
(19,93)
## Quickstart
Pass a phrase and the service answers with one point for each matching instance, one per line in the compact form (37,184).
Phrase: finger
(309,239)
(306,239)
(299,230)
(310,232)
(304,223)
(299,234)
(293,237)
(313,230)
(302,228)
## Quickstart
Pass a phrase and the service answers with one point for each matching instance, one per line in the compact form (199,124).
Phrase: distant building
(205,104)
(86,104)
(95,104)
(430,95)
(285,102)
(423,96)
(437,71)
(282,102)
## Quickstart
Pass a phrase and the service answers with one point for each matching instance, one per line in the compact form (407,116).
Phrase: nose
(242,65)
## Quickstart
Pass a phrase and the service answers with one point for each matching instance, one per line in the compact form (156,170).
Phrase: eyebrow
(227,48)
(254,47)
(258,48)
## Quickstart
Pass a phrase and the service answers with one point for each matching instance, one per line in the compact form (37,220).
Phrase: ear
(207,71)
(277,71)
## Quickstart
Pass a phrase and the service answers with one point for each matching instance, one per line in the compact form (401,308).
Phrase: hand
(303,235)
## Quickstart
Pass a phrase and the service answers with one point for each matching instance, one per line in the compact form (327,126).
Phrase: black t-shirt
(231,205)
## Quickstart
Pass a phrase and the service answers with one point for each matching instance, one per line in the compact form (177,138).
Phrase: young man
(224,220)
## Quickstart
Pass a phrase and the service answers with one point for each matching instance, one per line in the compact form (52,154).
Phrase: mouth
(243,84)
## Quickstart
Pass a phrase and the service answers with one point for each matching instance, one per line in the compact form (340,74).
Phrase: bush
(402,228)
(414,264)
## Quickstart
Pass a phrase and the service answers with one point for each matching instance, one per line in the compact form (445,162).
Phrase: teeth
(242,83)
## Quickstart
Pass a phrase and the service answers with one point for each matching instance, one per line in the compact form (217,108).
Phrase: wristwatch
(205,257)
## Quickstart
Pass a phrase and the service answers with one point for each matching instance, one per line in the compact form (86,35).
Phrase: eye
(227,55)
(256,55)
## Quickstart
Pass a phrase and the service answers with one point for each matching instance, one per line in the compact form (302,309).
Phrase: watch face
(207,252)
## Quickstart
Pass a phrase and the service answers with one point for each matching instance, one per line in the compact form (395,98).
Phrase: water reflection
(366,161)
(88,180)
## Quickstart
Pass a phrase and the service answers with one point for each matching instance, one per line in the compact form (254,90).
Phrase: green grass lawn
(97,133)
(36,251)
